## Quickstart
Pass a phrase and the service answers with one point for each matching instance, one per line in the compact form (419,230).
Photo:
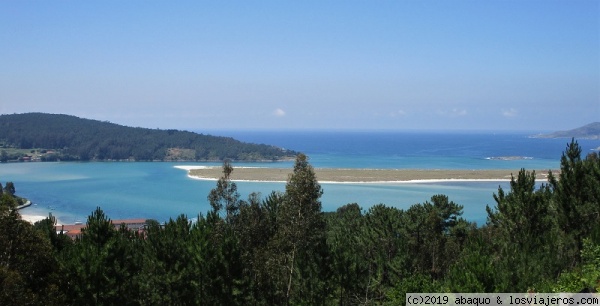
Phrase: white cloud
(511,112)
(399,113)
(278,112)
(455,112)
(458,112)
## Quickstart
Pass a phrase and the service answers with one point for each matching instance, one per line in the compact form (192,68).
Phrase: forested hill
(68,137)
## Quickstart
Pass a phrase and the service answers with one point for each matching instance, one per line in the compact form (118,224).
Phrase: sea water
(158,190)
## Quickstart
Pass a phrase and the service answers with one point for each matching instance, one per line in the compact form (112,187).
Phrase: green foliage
(526,234)
(437,221)
(47,228)
(81,139)
(385,251)
(28,269)
(284,250)
(577,198)
(348,249)
(415,283)
(225,194)
(170,263)
(3,156)
(300,237)
(475,269)
(586,276)
(9,188)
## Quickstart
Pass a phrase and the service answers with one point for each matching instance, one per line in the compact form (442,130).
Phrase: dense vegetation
(71,138)
(283,249)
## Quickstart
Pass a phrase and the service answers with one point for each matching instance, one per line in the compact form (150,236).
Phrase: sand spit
(339,175)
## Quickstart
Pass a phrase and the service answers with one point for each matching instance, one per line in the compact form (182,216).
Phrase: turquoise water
(71,191)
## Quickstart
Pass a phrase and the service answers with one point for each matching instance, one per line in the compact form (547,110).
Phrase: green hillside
(65,137)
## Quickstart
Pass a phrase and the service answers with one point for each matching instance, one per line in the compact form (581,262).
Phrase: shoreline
(360,176)
(33,218)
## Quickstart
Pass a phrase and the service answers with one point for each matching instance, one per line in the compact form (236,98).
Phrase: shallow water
(71,191)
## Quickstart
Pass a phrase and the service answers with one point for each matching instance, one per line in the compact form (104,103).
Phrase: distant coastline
(343,175)
(508,157)
(588,131)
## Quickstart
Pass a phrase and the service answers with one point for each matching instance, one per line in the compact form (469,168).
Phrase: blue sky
(396,65)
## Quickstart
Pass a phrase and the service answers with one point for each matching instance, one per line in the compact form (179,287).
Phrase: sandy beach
(32,218)
(339,175)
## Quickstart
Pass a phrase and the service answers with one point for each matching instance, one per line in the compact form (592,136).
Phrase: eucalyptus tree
(225,194)
(300,237)
(224,237)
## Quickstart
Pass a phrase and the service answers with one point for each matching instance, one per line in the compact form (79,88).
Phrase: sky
(276,65)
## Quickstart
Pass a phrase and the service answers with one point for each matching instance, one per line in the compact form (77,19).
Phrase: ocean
(158,190)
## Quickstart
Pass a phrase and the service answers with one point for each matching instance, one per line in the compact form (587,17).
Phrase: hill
(589,131)
(65,137)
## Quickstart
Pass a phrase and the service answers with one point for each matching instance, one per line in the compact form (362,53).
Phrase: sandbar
(342,175)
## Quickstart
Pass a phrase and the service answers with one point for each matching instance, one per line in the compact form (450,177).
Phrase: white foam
(188,168)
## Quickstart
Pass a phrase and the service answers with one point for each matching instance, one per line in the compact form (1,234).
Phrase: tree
(171,263)
(587,276)
(257,228)
(348,245)
(301,234)
(523,216)
(3,156)
(434,230)
(8,205)
(29,273)
(385,251)
(47,228)
(10,188)
(225,194)
(224,236)
(475,270)
(577,198)
(523,223)
(87,263)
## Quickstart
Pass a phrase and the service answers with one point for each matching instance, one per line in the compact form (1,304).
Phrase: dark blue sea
(71,191)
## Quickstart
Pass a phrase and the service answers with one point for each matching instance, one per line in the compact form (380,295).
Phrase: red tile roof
(74,230)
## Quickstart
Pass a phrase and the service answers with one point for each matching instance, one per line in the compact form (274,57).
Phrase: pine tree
(348,249)
(577,198)
(523,223)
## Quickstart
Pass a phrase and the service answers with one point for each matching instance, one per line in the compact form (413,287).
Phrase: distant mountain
(589,131)
(68,137)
